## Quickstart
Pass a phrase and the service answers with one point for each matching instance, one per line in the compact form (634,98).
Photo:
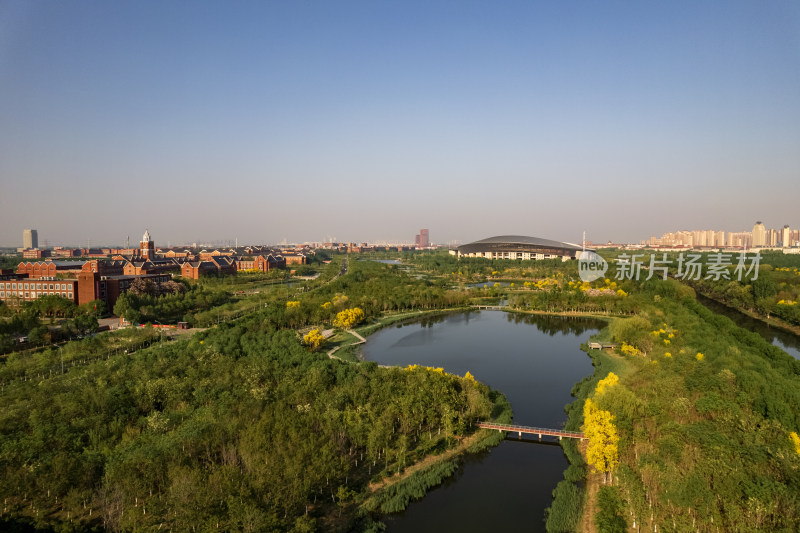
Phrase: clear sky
(369,120)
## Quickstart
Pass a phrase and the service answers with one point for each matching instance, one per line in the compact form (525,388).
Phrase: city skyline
(274,121)
(760,235)
(774,232)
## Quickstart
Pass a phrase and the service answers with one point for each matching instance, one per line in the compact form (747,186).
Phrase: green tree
(609,517)
(764,287)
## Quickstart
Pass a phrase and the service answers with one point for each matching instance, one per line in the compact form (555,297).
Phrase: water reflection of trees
(551,325)
(428,321)
(452,318)
(548,324)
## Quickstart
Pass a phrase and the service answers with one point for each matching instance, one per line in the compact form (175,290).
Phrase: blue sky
(369,120)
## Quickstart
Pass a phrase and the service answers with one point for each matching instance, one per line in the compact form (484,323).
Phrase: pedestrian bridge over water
(560,433)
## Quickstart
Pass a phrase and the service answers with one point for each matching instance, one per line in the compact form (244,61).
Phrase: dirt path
(593,482)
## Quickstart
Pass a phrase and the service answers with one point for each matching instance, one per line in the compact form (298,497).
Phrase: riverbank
(579,486)
(582,314)
(388,320)
(769,321)
(348,351)
(393,494)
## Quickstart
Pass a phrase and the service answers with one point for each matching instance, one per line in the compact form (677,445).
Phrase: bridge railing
(533,430)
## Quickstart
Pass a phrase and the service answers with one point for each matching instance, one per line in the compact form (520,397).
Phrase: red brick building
(64,252)
(157,266)
(217,265)
(261,263)
(93,286)
(88,281)
(27,289)
(48,269)
(35,253)
(104,268)
(294,258)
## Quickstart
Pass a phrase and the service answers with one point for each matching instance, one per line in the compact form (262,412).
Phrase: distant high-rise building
(759,235)
(786,236)
(422,240)
(772,237)
(30,239)
(741,239)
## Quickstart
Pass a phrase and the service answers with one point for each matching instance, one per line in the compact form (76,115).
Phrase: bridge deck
(533,430)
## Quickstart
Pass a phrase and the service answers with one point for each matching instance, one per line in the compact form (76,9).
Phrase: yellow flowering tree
(606,383)
(795,441)
(349,318)
(339,300)
(313,339)
(627,349)
(602,453)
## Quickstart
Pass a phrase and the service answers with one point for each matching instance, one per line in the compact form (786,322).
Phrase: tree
(127,308)
(764,287)
(609,517)
(602,452)
(313,339)
(606,383)
(142,286)
(39,335)
(86,323)
(635,331)
(795,441)
(172,287)
(349,318)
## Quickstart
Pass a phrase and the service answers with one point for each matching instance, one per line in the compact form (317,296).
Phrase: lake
(534,360)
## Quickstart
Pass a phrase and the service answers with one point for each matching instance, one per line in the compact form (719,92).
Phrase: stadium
(519,247)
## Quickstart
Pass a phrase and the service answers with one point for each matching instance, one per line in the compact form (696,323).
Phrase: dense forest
(47,320)
(239,427)
(243,427)
(706,416)
(774,292)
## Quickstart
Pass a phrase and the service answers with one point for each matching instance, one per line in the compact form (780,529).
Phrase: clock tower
(146,247)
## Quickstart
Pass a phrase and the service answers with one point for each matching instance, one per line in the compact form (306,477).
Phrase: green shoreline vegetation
(241,427)
(706,411)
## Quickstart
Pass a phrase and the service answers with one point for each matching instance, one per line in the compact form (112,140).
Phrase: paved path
(361,340)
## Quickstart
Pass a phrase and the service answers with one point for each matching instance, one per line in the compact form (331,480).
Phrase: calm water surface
(534,361)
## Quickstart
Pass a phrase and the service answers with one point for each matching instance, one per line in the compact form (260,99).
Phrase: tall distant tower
(422,240)
(30,239)
(147,247)
(759,235)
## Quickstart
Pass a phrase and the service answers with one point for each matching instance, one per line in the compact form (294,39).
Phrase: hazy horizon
(368,121)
